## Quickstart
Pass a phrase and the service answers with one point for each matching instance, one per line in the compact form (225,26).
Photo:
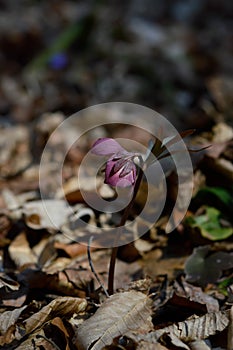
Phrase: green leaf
(210,226)
(223,286)
(222,197)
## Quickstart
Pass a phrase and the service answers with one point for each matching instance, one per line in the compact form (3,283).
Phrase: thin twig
(93,269)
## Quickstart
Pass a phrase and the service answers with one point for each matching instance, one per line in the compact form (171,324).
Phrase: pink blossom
(120,169)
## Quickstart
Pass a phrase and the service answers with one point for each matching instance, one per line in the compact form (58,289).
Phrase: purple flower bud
(120,169)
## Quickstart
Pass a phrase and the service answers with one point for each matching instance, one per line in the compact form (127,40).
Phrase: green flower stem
(124,217)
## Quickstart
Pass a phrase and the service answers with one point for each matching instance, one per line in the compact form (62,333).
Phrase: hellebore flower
(120,169)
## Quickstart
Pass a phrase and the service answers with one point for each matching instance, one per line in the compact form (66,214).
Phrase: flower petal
(115,178)
(106,146)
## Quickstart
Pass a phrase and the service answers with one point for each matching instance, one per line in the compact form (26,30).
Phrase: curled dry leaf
(50,337)
(117,315)
(192,329)
(63,306)
(8,318)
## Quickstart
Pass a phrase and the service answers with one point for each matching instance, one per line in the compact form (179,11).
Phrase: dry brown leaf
(63,306)
(17,299)
(153,265)
(8,282)
(221,89)
(15,153)
(50,213)
(72,250)
(20,251)
(117,315)
(58,325)
(174,340)
(8,318)
(222,132)
(199,345)
(144,345)
(216,150)
(194,293)
(124,274)
(47,213)
(143,246)
(37,341)
(193,328)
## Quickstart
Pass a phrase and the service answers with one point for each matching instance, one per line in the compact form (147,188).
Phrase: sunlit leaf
(210,225)
(117,315)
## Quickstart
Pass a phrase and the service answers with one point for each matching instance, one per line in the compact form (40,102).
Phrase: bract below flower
(120,169)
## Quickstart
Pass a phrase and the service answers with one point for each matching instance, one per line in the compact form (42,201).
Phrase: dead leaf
(8,282)
(221,89)
(194,328)
(222,132)
(39,340)
(171,338)
(15,300)
(15,154)
(62,306)
(56,329)
(153,265)
(144,345)
(194,293)
(50,213)
(199,345)
(143,246)
(117,315)
(72,250)
(20,251)
(9,318)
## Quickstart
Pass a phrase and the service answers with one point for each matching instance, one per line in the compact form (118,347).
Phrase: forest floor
(171,290)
